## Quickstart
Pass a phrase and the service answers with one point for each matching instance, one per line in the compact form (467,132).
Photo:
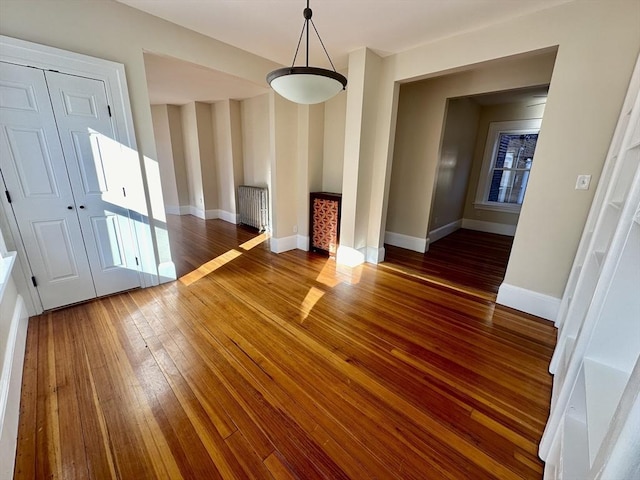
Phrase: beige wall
(360,133)
(223,149)
(167,126)
(164,149)
(235,121)
(255,141)
(284,165)
(208,165)
(421,115)
(456,158)
(177,144)
(488,114)
(309,161)
(213,149)
(192,155)
(333,158)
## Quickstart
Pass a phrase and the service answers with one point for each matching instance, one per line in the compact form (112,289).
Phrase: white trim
(484,182)
(528,301)
(212,214)
(405,241)
(177,210)
(203,214)
(284,244)
(303,243)
(441,232)
(489,227)
(228,217)
(498,207)
(374,255)
(10,387)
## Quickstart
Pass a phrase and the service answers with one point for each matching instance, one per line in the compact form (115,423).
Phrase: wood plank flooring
(472,261)
(265,366)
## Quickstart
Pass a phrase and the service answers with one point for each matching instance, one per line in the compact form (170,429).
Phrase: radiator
(253,207)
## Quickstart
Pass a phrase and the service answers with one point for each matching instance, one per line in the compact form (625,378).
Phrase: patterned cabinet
(324,224)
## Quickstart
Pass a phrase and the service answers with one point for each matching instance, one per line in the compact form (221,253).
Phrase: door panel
(54,241)
(34,172)
(29,153)
(106,228)
(97,175)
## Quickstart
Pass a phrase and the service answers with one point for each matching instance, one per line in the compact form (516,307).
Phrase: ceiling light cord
(322,43)
(307,13)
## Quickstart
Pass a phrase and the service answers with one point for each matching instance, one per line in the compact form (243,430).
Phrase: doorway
(442,181)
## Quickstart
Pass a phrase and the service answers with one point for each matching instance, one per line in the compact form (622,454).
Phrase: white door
(65,175)
(97,171)
(34,172)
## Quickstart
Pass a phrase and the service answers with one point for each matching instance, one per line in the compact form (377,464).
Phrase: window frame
(514,127)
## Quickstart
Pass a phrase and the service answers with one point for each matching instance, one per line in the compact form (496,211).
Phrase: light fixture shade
(306,85)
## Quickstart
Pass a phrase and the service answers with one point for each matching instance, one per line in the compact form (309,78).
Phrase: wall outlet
(583,181)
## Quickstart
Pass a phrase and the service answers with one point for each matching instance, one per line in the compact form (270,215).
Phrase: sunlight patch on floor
(310,301)
(249,244)
(333,274)
(211,266)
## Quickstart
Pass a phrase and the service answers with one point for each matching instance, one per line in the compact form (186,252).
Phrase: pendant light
(307,85)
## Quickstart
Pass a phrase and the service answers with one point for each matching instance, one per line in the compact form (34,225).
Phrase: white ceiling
(270,28)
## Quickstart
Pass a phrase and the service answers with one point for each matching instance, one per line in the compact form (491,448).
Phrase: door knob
(69,207)
(82,207)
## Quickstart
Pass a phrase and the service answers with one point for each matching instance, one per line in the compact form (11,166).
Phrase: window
(508,157)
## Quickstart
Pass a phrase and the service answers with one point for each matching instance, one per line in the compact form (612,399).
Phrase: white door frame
(30,54)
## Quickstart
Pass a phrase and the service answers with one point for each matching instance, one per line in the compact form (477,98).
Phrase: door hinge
(137,261)
(109,109)
(6,192)
(33,280)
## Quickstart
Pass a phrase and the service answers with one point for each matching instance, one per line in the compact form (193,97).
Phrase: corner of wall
(528,301)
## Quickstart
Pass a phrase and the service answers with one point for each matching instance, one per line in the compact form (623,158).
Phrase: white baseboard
(374,255)
(228,217)
(441,232)
(212,214)
(404,241)
(196,212)
(303,243)
(10,387)
(203,214)
(489,227)
(528,301)
(284,244)
(177,210)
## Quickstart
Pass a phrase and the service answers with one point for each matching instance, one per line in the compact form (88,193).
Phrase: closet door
(35,176)
(98,174)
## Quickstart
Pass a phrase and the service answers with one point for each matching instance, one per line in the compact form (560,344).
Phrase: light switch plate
(583,181)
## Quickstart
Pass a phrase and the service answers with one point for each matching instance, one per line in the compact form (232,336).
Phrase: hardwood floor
(256,365)
(471,261)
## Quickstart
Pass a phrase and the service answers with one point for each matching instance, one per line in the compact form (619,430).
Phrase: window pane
(514,151)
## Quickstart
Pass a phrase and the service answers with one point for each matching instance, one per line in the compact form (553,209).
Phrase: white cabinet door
(35,175)
(95,163)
